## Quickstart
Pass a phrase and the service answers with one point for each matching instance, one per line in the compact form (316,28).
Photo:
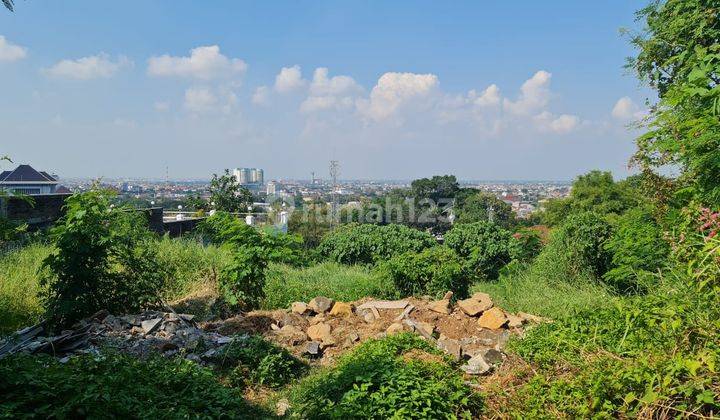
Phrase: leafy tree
(485,247)
(596,192)
(102,261)
(311,222)
(439,187)
(479,206)
(432,271)
(369,244)
(637,249)
(228,195)
(579,244)
(679,55)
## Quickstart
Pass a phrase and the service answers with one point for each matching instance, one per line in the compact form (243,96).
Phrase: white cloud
(534,95)
(289,79)
(11,52)
(261,96)
(204,63)
(489,97)
(125,123)
(625,109)
(393,90)
(85,68)
(330,93)
(200,100)
(562,124)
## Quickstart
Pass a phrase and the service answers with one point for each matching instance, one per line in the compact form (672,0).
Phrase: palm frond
(9,4)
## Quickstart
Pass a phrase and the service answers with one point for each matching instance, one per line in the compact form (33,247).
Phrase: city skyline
(390,91)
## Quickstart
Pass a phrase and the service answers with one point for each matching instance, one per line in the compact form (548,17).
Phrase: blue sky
(484,90)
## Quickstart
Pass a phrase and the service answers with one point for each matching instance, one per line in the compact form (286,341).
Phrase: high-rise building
(247,176)
(271,188)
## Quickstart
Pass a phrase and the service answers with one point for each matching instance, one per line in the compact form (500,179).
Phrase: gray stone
(450,346)
(312,348)
(321,304)
(492,357)
(476,366)
(150,325)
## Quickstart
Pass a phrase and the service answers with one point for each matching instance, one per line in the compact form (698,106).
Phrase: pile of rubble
(168,333)
(472,329)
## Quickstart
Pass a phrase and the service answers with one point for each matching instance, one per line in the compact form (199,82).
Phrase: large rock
(492,357)
(474,307)
(341,309)
(440,306)
(476,366)
(493,319)
(450,346)
(151,325)
(319,332)
(395,328)
(320,304)
(514,321)
(299,307)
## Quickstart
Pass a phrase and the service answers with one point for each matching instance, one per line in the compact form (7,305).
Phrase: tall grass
(286,284)
(19,287)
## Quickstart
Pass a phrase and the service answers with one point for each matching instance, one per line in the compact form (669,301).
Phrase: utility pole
(334,172)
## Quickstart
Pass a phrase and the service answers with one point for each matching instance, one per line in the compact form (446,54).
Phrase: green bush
(114,386)
(20,304)
(253,360)
(376,381)
(369,244)
(638,250)
(286,284)
(242,281)
(285,248)
(528,244)
(485,246)
(102,260)
(432,272)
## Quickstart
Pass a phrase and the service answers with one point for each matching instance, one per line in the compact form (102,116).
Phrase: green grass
(286,284)
(19,302)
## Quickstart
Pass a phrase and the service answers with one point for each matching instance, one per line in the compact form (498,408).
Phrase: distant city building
(271,188)
(26,180)
(245,176)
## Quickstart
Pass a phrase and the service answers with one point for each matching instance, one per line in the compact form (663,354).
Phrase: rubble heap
(473,329)
(168,333)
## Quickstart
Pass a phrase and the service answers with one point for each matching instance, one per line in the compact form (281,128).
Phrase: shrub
(19,289)
(102,261)
(242,281)
(637,249)
(485,246)
(253,360)
(433,272)
(284,248)
(286,284)
(528,244)
(368,244)
(380,379)
(114,386)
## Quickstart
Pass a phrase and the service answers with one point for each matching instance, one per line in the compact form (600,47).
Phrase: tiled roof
(26,173)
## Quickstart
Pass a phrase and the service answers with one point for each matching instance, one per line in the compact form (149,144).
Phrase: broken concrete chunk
(150,325)
(492,357)
(320,304)
(472,307)
(341,309)
(450,346)
(514,321)
(299,307)
(440,306)
(312,348)
(476,366)
(405,313)
(385,304)
(395,328)
(319,332)
(493,319)
(448,295)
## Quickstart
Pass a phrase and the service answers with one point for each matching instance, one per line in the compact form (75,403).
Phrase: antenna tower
(334,172)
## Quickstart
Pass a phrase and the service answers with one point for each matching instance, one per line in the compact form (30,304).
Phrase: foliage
(638,250)
(254,360)
(19,288)
(286,284)
(114,385)
(479,206)
(311,222)
(437,188)
(432,271)
(577,248)
(368,244)
(284,248)
(528,244)
(101,261)
(242,281)
(596,192)
(228,195)
(380,379)
(485,246)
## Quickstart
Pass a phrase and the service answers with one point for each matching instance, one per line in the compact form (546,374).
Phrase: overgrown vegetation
(431,272)
(484,246)
(384,379)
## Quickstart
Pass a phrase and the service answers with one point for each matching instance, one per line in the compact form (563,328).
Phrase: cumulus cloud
(534,95)
(330,92)
(202,100)
(393,90)
(562,124)
(86,68)
(489,97)
(625,109)
(261,96)
(11,52)
(289,79)
(204,63)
